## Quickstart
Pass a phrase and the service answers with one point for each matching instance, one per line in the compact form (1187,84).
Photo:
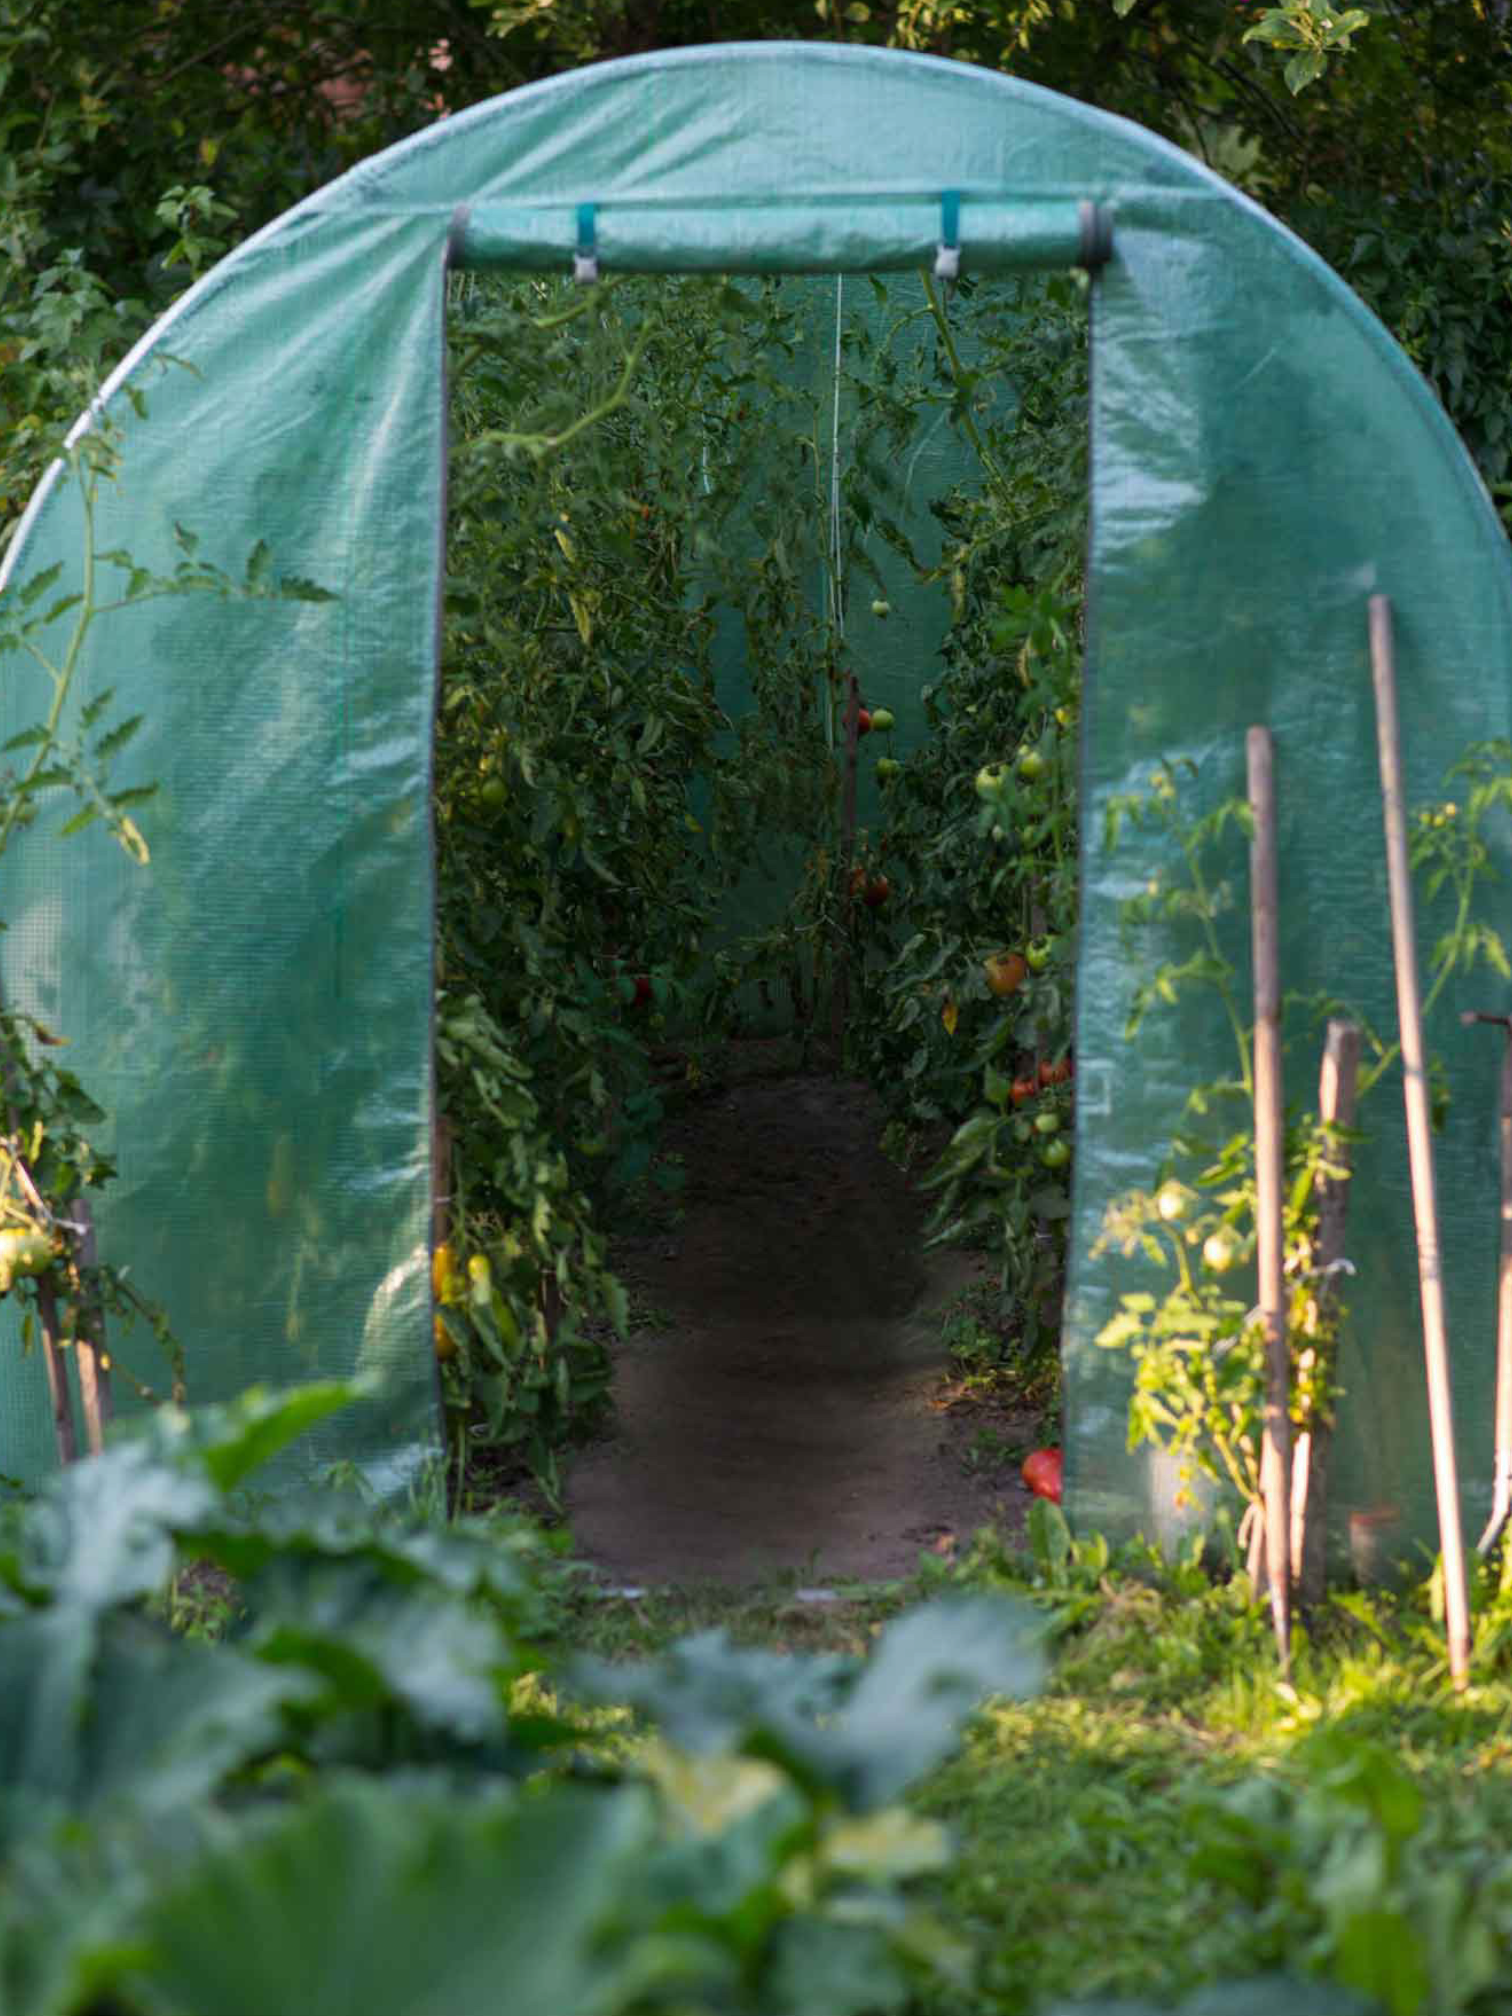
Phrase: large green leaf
(368,1902)
(863,1733)
(101,1714)
(102,1531)
(931,1667)
(375,1645)
(234,1439)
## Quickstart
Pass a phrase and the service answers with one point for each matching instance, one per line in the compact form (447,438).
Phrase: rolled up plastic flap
(831,234)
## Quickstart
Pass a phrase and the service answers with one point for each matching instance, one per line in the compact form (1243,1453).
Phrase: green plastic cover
(254,1010)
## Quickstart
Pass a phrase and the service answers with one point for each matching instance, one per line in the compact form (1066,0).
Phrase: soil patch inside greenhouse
(783,1405)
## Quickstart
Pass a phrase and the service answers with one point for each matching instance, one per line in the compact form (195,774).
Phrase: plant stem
(957,372)
(61,676)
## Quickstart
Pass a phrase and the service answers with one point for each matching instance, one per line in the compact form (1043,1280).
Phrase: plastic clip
(585,267)
(947,264)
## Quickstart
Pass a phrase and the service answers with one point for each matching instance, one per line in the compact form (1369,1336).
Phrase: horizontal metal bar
(831,235)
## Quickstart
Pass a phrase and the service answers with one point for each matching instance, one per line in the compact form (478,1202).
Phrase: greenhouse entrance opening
(256,1012)
(702,533)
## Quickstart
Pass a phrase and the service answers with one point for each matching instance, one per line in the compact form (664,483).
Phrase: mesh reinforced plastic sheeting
(254,1011)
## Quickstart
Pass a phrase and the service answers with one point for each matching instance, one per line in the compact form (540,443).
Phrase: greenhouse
(257,1012)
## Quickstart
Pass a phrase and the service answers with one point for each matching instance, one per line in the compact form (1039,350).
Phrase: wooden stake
(1270,1187)
(441,1177)
(1309,1495)
(59,1392)
(1420,1144)
(89,1342)
(1501,1502)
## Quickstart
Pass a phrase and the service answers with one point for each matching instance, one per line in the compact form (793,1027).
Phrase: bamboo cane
(90,1354)
(1270,1182)
(1420,1144)
(1501,1503)
(1309,1502)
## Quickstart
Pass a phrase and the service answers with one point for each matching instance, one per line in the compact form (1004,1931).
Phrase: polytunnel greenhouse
(255,1010)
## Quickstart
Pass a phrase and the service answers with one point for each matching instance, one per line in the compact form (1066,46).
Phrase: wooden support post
(1420,1143)
(89,1342)
(1309,1494)
(1270,1187)
(1501,1498)
(441,1177)
(59,1392)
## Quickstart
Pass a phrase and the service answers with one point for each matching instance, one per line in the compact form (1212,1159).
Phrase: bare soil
(786,1406)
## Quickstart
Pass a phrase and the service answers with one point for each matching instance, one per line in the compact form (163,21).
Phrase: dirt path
(783,1409)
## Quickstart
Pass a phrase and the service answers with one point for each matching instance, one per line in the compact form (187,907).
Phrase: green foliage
(594,803)
(988,867)
(322,1810)
(1199,1347)
(1312,37)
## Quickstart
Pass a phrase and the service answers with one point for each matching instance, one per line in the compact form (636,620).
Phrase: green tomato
(1055,1154)
(1037,953)
(990,780)
(1030,765)
(1173,1201)
(883,718)
(1023,1131)
(494,794)
(1047,1123)
(888,767)
(1220,1250)
(881,608)
(23,1251)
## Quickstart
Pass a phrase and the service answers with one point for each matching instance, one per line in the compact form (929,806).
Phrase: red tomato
(877,891)
(642,989)
(863,722)
(1023,1089)
(1042,1473)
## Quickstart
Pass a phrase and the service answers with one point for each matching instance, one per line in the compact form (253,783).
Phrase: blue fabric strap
(948,257)
(585,259)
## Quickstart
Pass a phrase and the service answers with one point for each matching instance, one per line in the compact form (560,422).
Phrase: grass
(1169,1812)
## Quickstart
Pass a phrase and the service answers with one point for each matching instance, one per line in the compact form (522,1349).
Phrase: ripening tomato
(1005,973)
(1042,1473)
